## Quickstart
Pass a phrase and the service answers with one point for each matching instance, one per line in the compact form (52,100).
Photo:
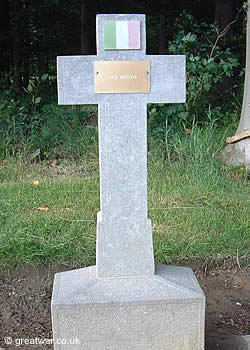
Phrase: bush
(35,121)
(209,65)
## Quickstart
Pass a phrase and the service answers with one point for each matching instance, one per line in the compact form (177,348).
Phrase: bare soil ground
(25,296)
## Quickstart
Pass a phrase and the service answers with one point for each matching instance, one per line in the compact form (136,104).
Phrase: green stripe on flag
(109,35)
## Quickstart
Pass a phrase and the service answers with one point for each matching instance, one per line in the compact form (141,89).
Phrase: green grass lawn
(199,208)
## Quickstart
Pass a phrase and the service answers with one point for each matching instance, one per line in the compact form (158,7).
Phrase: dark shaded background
(33,33)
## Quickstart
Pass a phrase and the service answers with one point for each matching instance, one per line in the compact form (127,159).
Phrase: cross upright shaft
(124,232)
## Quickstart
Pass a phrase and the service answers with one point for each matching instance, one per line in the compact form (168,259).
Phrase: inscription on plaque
(122,77)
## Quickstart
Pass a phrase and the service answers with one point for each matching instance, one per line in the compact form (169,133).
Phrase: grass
(199,208)
(204,218)
(65,233)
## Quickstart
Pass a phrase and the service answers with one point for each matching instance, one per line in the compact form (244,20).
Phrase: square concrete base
(164,311)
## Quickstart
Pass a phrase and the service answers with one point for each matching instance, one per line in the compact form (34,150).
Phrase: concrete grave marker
(124,234)
(123,302)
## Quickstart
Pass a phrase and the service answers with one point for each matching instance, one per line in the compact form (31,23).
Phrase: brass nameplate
(122,77)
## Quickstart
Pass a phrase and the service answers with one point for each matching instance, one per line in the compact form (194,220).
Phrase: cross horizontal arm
(168,79)
(76,80)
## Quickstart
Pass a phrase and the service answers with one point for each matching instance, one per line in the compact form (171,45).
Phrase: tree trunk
(163,36)
(238,153)
(163,29)
(223,13)
(4,39)
(85,44)
(16,43)
(26,67)
(244,124)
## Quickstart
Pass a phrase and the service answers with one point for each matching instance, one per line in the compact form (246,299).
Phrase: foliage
(31,119)
(208,67)
(34,121)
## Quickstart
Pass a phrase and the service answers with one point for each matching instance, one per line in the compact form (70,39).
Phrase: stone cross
(149,306)
(124,230)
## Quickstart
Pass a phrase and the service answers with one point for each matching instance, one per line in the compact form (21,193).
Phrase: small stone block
(165,311)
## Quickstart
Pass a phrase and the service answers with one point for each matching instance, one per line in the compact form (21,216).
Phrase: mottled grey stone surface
(237,154)
(110,55)
(75,74)
(124,233)
(246,340)
(164,311)
(233,342)
(123,303)
(76,80)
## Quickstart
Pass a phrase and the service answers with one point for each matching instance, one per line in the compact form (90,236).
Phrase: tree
(5,43)
(223,12)
(163,28)
(237,152)
(16,43)
(86,28)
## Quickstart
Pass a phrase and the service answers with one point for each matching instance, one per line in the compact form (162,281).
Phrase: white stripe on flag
(122,34)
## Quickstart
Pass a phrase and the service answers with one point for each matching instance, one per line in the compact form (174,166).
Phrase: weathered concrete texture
(245,340)
(116,54)
(237,153)
(234,342)
(75,74)
(124,232)
(165,311)
(75,79)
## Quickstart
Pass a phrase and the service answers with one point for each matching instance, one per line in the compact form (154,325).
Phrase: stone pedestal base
(164,311)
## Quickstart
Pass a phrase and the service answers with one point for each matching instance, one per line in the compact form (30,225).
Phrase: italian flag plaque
(122,35)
